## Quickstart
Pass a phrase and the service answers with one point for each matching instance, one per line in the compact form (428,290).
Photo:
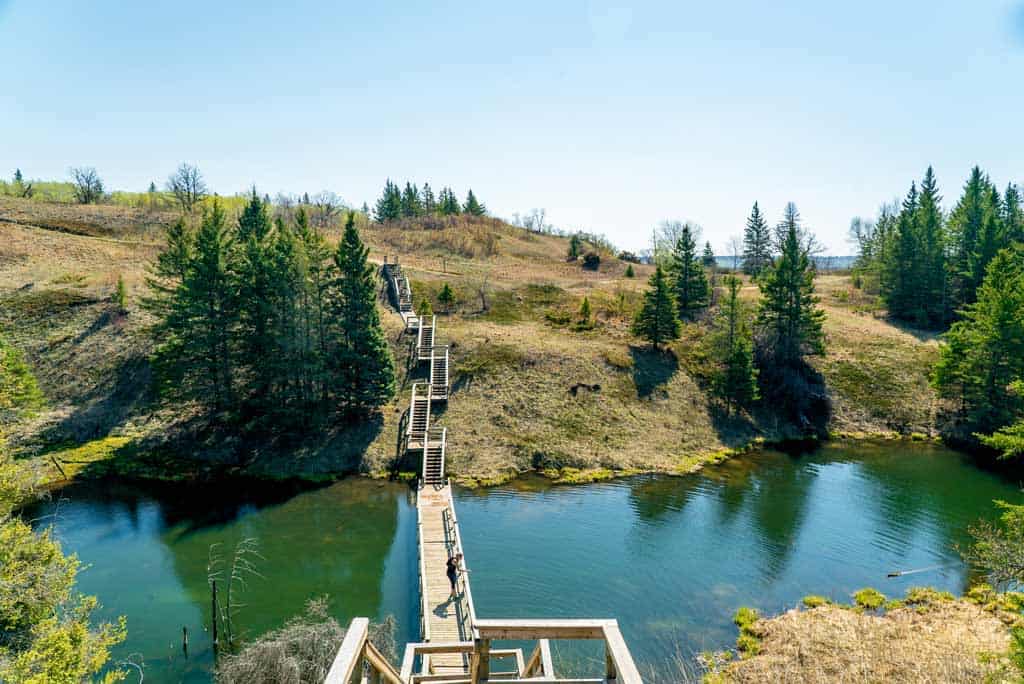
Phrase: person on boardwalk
(453,574)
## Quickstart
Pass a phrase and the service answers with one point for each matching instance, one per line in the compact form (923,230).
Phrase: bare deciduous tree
(88,185)
(326,207)
(667,234)
(187,185)
(736,251)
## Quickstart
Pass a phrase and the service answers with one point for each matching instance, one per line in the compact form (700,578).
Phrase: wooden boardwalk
(444,620)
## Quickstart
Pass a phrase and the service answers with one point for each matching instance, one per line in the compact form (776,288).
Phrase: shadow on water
(652,369)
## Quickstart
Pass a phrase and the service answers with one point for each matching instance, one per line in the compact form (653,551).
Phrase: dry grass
(943,641)
(514,365)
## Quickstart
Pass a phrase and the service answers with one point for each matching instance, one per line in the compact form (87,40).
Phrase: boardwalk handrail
(357,652)
(424,599)
(467,590)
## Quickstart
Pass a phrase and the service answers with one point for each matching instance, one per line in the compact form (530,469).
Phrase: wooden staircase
(439,373)
(402,291)
(433,456)
(419,417)
(425,338)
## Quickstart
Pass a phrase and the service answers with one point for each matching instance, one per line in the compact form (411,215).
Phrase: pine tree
(708,258)
(584,322)
(363,371)
(575,247)
(630,273)
(193,293)
(429,202)
(473,207)
(690,283)
(929,221)
(788,315)
(736,378)
(656,321)
(319,275)
(757,243)
(1013,214)
(152,188)
(446,298)
(121,295)
(449,204)
(411,205)
(424,309)
(965,227)
(17,176)
(253,269)
(982,355)
(389,206)
(904,297)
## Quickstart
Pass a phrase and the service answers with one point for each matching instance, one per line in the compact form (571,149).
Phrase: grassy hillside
(530,391)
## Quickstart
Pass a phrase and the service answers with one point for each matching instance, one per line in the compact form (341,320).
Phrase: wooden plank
(529,630)
(621,658)
(545,656)
(381,665)
(350,653)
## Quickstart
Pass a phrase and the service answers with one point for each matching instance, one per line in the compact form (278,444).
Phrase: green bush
(869,599)
(813,601)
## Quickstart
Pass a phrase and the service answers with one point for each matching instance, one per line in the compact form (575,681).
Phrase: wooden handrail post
(482,661)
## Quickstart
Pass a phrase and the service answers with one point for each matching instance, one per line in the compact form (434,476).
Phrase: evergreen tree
(389,206)
(152,188)
(982,357)
(17,176)
(575,247)
(904,297)
(630,273)
(448,203)
(1013,214)
(584,322)
(656,321)
(690,283)
(424,309)
(473,207)
(411,204)
(933,309)
(194,295)
(733,345)
(363,372)
(965,227)
(788,315)
(253,269)
(757,243)
(708,258)
(121,295)
(429,201)
(446,297)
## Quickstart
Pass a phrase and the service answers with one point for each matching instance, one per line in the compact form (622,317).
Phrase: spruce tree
(194,295)
(982,355)
(690,283)
(429,201)
(708,258)
(1013,214)
(121,295)
(424,309)
(575,247)
(966,224)
(316,314)
(904,297)
(17,176)
(733,349)
(757,243)
(584,322)
(472,206)
(788,316)
(630,273)
(449,204)
(656,321)
(446,297)
(411,204)
(363,371)
(389,206)
(932,245)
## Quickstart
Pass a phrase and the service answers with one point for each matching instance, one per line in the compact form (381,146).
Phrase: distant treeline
(396,203)
(263,325)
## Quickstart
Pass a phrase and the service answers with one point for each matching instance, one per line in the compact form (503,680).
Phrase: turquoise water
(671,558)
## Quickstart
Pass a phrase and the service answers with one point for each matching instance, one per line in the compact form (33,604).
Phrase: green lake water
(671,558)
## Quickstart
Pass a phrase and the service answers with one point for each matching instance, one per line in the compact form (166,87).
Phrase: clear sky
(611,117)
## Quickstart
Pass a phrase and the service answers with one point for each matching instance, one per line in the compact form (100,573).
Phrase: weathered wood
(622,668)
(350,654)
(482,671)
(380,665)
(529,630)
(545,655)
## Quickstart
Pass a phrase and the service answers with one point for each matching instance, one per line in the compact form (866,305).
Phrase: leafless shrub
(187,185)
(301,652)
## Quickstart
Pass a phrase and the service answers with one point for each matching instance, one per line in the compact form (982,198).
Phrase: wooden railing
(358,654)
(424,599)
(466,616)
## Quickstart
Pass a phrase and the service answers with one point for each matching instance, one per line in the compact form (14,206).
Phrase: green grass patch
(814,601)
(488,358)
(869,599)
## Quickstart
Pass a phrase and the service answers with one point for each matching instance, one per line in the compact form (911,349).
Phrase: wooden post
(609,663)
(483,661)
(213,612)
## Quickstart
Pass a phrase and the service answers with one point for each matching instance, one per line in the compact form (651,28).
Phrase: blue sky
(611,117)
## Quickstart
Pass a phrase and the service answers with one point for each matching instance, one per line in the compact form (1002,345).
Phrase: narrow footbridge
(457,647)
